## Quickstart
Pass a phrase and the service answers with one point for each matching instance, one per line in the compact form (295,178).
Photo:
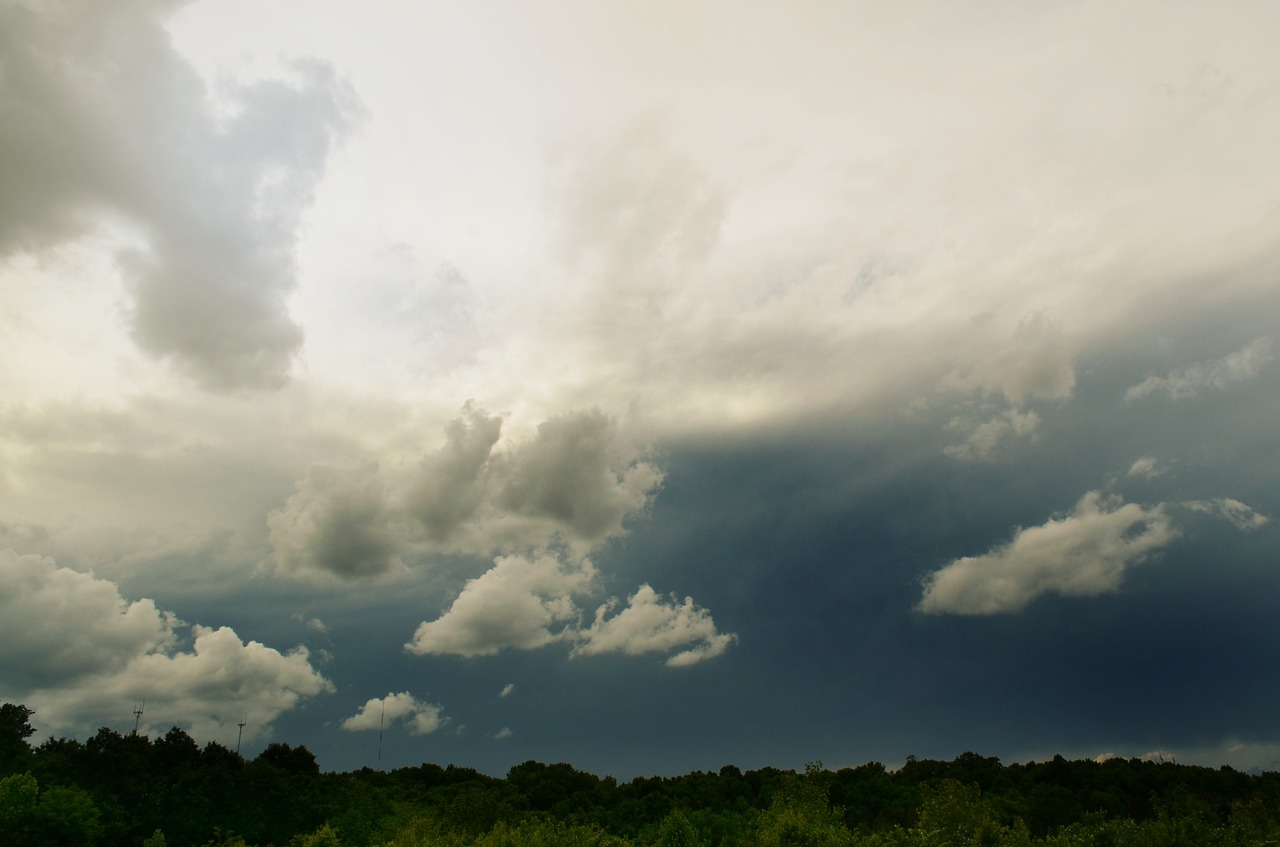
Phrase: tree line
(115,789)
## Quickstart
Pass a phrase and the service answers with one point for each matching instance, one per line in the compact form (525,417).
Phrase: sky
(644,386)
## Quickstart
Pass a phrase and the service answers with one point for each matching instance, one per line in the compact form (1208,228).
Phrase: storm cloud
(108,126)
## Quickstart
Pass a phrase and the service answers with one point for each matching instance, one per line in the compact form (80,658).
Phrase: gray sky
(649,386)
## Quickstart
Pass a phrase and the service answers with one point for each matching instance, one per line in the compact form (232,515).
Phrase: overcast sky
(650,386)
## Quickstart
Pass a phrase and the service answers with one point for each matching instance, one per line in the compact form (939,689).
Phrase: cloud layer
(77,652)
(107,121)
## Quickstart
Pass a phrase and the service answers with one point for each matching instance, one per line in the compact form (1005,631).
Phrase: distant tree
(298,759)
(15,729)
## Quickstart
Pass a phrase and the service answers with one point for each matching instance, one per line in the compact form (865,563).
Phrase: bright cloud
(421,717)
(653,624)
(507,691)
(1083,554)
(520,603)
(75,650)
(1217,374)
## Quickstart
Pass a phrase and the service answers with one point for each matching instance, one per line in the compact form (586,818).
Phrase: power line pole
(137,715)
(240,734)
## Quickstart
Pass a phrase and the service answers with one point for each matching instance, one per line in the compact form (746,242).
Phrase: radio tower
(137,716)
(381,720)
(240,734)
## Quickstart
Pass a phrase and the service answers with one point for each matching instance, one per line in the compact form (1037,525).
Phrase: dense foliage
(115,789)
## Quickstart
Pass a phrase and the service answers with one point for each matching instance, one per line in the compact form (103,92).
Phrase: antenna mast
(137,715)
(240,734)
(381,720)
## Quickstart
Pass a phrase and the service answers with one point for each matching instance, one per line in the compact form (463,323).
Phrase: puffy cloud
(577,476)
(520,603)
(653,624)
(76,651)
(526,604)
(986,438)
(505,732)
(449,487)
(1083,553)
(1217,374)
(575,481)
(105,118)
(507,691)
(338,523)
(421,717)
(1240,515)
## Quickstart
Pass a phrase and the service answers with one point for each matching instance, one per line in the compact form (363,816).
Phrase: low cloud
(1217,374)
(654,624)
(80,654)
(575,482)
(338,522)
(985,439)
(1083,553)
(519,603)
(1145,468)
(1241,516)
(507,691)
(525,604)
(420,717)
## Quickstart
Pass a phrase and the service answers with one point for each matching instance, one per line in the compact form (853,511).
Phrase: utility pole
(137,716)
(240,734)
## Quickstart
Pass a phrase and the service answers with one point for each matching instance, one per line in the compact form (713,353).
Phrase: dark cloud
(578,473)
(576,481)
(338,522)
(104,118)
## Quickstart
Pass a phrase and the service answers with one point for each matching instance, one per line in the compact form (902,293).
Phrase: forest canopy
(116,789)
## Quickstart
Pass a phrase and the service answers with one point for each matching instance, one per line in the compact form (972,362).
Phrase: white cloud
(985,440)
(1241,516)
(653,624)
(1218,374)
(507,691)
(1145,467)
(1084,553)
(519,603)
(80,654)
(525,604)
(505,732)
(421,717)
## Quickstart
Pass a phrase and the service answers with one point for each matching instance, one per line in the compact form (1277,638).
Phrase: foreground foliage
(114,790)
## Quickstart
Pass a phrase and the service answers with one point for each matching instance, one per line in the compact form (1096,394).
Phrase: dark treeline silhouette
(115,789)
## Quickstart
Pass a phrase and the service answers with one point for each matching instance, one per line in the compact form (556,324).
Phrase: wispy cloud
(1217,374)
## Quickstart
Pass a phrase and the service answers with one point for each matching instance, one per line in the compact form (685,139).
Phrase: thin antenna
(380,723)
(240,734)
(137,716)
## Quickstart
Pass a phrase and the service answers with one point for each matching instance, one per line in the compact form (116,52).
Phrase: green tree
(15,729)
